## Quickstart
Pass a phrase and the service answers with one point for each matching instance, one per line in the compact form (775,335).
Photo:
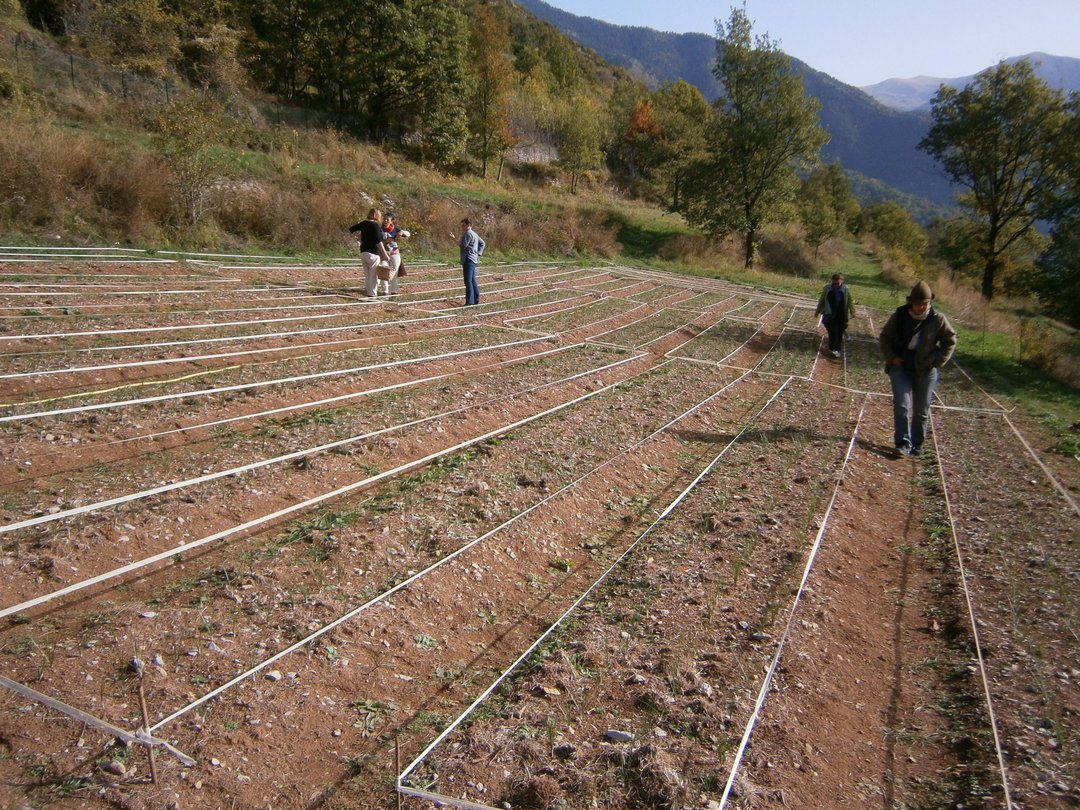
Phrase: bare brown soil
(312,529)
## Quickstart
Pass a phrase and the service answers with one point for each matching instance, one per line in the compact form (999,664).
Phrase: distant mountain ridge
(869,138)
(915,93)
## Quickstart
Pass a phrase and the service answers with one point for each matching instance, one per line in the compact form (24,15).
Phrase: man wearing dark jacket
(916,342)
(836,308)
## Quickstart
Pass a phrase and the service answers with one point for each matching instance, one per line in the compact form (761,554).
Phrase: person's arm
(946,343)
(887,339)
(480,245)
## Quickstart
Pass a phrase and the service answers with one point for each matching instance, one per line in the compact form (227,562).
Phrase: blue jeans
(911,394)
(472,290)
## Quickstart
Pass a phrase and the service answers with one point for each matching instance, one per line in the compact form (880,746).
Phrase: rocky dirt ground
(610,539)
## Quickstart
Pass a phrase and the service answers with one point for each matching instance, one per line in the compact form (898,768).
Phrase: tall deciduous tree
(765,129)
(1059,266)
(681,115)
(439,83)
(827,208)
(185,129)
(493,72)
(894,228)
(581,138)
(999,140)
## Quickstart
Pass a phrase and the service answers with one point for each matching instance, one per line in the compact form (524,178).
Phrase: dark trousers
(836,328)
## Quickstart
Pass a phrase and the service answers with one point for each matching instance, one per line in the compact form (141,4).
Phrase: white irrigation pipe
(434,566)
(771,672)
(255,465)
(1031,451)
(688,341)
(330,400)
(638,322)
(195,358)
(982,390)
(404,789)
(158,292)
(574,306)
(288,510)
(260,384)
(675,331)
(326,401)
(42,259)
(99,309)
(237,338)
(91,249)
(1060,487)
(177,328)
(440,563)
(141,737)
(481,310)
(974,625)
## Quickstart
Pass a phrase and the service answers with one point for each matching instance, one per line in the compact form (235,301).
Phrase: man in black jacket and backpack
(916,342)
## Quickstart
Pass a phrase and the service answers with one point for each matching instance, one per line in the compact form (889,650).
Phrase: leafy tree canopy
(764,129)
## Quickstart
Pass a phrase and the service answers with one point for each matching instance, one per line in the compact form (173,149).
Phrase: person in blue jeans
(472,248)
(916,342)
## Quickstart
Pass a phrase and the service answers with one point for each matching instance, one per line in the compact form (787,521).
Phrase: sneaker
(902,450)
(915,451)
(835,352)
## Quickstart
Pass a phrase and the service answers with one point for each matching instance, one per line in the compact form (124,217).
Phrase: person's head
(837,280)
(388,218)
(465,223)
(375,214)
(919,299)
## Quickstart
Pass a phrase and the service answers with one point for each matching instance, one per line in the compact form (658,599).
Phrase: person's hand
(896,361)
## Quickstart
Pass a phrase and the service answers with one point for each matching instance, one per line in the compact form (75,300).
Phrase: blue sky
(862,42)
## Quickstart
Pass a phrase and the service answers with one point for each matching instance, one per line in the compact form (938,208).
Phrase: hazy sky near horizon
(862,43)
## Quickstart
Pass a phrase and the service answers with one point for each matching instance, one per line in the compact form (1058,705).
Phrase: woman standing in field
(372,251)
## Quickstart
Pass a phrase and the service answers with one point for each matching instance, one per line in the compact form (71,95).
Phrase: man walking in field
(836,308)
(916,342)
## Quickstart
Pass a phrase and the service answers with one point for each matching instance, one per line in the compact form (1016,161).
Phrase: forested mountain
(866,137)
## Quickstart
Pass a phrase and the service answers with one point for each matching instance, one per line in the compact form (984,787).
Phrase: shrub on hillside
(784,250)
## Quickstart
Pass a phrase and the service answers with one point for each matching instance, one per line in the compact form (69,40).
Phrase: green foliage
(185,129)
(1000,139)
(135,35)
(895,228)
(827,208)
(582,135)
(489,112)
(674,137)
(765,129)
(1059,285)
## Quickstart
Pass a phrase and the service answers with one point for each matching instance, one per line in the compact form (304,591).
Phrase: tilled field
(611,538)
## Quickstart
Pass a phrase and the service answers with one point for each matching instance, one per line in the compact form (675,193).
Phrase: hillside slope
(866,136)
